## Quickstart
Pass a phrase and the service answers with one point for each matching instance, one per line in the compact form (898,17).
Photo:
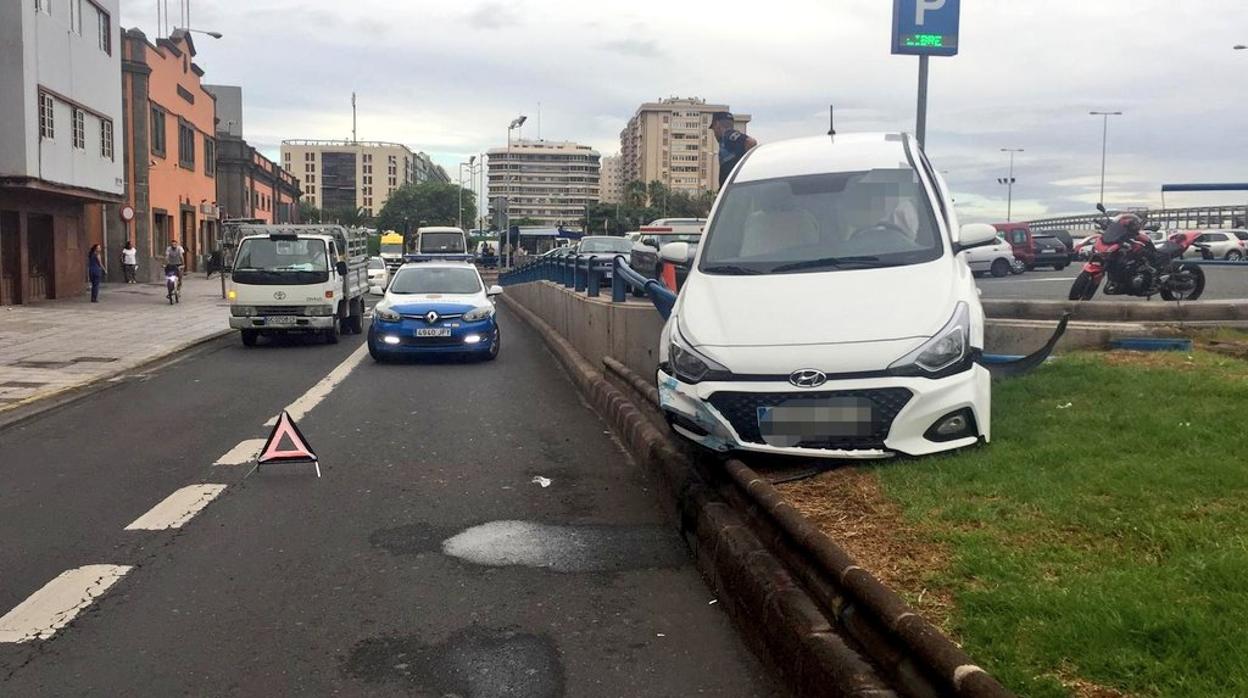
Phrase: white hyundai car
(827,312)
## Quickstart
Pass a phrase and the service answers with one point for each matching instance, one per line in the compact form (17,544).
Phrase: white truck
(307,279)
(440,243)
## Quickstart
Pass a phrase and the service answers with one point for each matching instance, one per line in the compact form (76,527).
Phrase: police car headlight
(946,348)
(479,314)
(385,312)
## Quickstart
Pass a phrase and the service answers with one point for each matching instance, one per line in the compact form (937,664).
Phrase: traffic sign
(925,27)
(298,452)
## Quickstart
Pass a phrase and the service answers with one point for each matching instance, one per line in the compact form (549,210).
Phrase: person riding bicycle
(175,258)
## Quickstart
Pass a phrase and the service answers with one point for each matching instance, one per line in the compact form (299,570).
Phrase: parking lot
(1224,283)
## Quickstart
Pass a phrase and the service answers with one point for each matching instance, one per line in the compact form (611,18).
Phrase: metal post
(617,282)
(920,128)
(1104,152)
(578,279)
(461,196)
(594,280)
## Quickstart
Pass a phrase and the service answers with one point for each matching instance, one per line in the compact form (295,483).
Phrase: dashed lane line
(304,403)
(242,454)
(57,603)
(177,508)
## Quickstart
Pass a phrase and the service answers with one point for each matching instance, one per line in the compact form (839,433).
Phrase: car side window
(650,241)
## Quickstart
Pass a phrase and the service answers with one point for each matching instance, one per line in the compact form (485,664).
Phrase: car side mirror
(675,252)
(494,291)
(341,267)
(975,235)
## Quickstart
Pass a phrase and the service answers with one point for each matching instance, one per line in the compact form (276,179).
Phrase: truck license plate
(280,320)
(433,332)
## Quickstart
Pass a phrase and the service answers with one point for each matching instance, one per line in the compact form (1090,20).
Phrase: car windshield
(421,279)
(432,243)
(266,254)
(376,263)
(841,220)
(621,245)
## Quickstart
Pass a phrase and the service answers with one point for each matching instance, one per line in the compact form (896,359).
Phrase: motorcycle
(1131,265)
(173,284)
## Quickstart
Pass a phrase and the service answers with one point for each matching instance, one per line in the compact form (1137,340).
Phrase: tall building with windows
(611,181)
(342,175)
(61,113)
(552,182)
(670,141)
(249,185)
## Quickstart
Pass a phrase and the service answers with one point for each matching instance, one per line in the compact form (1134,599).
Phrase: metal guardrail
(1190,218)
(587,273)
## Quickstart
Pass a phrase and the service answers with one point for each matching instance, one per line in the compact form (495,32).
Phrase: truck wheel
(356,320)
(249,337)
(331,335)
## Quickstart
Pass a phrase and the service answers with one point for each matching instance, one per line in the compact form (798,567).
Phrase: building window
(186,145)
(44,6)
(210,157)
(80,128)
(47,119)
(393,181)
(104,24)
(368,157)
(158,131)
(309,167)
(106,139)
(75,16)
(309,157)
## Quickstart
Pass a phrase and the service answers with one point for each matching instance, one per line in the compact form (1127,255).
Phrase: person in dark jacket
(95,271)
(733,145)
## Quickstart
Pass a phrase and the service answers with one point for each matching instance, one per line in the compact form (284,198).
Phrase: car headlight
(688,365)
(479,314)
(946,348)
(320,310)
(383,312)
(243,310)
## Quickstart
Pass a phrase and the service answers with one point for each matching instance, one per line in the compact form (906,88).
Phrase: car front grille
(741,410)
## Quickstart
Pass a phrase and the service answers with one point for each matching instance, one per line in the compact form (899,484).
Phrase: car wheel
(495,345)
(249,337)
(377,355)
(1000,268)
(1059,267)
(1017,267)
(1234,256)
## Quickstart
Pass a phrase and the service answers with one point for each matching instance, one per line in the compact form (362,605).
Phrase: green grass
(1106,541)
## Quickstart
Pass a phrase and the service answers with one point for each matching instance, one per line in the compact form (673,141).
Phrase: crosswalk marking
(57,603)
(177,508)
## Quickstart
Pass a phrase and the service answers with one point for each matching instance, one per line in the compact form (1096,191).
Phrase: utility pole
(920,127)
(1009,182)
(354,140)
(1104,143)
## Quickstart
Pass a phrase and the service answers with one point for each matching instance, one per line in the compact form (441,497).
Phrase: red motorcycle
(1132,265)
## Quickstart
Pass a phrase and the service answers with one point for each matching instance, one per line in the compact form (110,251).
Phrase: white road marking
(58,602)
(304,403)
(177,508)
(242,454)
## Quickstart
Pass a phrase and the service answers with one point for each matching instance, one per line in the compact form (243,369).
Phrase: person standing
(130,262)
(733,145)
(95,271)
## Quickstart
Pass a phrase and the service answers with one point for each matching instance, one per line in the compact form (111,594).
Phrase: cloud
(494,15)
(643,48)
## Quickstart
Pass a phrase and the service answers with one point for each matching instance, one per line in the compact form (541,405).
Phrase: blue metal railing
(588,274)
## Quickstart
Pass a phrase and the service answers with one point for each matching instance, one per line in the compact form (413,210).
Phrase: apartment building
(249,185)
(611,181)
(61,108)
(550,181)
(345,175)
(670,141)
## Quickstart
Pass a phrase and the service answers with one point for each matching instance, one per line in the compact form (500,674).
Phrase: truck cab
(392,250)
(440,243)
(308,279)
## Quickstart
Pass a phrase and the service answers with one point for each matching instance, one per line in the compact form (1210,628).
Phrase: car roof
(439,229)
(601,237)
(439,264)
(822,154)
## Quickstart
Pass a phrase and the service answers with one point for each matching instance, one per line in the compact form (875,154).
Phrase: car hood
(823,308)
(442,303)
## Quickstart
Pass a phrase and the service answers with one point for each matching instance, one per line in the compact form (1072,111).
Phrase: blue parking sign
(925,27)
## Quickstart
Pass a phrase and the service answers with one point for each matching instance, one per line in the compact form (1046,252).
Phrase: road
(1222,283)
(427,560)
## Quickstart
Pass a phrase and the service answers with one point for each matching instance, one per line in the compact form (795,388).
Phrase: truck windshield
(824,222)
(442,243)
(265,261)
(392,248)
(436,279)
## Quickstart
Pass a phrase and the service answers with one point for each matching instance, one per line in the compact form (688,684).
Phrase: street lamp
(1009,183)
(471,171)
(511,180)
(215,35)
(1104,141)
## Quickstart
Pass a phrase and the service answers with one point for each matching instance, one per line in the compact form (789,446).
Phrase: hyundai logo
(280,296)
(808,378)
(431,317)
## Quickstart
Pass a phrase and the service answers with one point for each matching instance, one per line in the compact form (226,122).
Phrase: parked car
(644,257)
(1020,238)
(1084,246)
(1049,251)
(378,275)
(997,259)
(605,247)
(1222,244)
(435,307)
(827,313)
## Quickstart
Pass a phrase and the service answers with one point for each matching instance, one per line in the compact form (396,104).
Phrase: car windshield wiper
(860,260)
(730,269)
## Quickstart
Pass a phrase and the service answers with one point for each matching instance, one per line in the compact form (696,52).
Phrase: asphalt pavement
(475,531)
(1221,283)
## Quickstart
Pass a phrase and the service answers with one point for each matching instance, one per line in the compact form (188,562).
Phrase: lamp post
(215,35)
(1104,142)
(511,180)
(471,171)
(1009,183)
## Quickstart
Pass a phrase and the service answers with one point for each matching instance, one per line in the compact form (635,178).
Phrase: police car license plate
(812,420)
(433,332)
(280,320)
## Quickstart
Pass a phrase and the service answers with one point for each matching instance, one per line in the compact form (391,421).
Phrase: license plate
(810,420)
(280,320)
(433,332)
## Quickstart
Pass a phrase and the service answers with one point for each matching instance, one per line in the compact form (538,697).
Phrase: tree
(634,194)
(309,213)
(427,203)
(526,222)
(351,217)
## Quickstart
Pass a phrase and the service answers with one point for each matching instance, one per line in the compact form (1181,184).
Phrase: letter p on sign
(922,7)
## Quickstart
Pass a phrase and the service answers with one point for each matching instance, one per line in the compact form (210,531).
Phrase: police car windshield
(824,222)
(436,280)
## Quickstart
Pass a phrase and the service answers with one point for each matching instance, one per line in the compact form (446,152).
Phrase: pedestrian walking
(95,271)
(733,145)
(130,262)
(215,263)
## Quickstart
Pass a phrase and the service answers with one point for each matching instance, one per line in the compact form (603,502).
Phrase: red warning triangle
(299,450)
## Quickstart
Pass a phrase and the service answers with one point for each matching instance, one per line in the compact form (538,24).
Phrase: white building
(339,175)
(611,181)
(548,181)
(61,118)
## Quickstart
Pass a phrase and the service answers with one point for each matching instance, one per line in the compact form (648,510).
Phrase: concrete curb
(1116,311)
(774,614)
(36,405)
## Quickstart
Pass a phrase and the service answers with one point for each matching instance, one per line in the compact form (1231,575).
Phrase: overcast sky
(447,77)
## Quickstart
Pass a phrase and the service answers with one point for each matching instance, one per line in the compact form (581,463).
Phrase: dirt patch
(1233,349)
(848,505)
